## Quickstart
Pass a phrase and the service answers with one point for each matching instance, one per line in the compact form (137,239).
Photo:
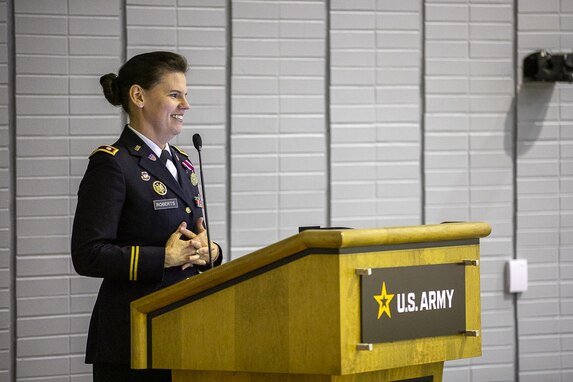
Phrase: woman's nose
(184,104)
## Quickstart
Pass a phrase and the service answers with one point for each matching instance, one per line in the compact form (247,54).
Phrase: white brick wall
(407,118)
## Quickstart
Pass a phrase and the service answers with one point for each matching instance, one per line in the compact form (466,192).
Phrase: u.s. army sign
(413,302)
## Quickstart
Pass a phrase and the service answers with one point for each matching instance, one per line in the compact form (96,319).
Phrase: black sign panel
(405,303)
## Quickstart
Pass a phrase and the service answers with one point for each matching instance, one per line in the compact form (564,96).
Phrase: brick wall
(469,88)
(544,196)
(62,47)
(6,206)
(376,51)
(322,112)
(277,133)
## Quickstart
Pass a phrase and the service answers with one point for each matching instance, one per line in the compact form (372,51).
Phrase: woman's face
(164,106)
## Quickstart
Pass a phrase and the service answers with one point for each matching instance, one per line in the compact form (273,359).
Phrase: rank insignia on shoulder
(180,151)
(106,149)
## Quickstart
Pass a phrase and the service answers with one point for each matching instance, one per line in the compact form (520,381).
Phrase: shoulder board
(106,149)
(180,151)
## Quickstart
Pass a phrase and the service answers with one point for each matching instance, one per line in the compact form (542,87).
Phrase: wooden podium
(295,310)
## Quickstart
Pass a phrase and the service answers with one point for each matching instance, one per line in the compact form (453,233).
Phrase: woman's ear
(136,95)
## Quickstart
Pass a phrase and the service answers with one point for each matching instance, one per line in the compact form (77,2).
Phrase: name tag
(164,204)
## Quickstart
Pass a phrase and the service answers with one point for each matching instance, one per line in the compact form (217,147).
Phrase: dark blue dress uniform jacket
(119,234)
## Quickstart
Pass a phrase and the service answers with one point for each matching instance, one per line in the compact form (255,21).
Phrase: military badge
(194,179)
(159,188)
(137,148)
(106,149)
(188,165)
(152,157)
(145,176)
(199,201)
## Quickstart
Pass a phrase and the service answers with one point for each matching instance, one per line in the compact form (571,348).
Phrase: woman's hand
(201,244)
(179,252)
(189,252)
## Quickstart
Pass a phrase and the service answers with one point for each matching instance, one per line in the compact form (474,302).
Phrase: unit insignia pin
(152,157)
(145,176)
(188,210)
(159,188)
(194,180)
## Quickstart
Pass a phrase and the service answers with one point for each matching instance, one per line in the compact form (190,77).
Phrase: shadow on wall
(533,109)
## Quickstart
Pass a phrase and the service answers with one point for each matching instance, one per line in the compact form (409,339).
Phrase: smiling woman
(139,219)
(160,109)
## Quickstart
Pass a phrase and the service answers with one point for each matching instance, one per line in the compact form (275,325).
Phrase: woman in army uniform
(138,222)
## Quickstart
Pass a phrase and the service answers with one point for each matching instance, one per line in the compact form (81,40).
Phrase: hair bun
(110,86)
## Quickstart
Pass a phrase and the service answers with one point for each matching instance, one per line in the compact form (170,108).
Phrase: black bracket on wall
(547,67)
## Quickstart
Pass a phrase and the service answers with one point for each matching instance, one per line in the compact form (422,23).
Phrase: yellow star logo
(383,300)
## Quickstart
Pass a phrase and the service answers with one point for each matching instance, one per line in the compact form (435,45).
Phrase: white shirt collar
(156,149)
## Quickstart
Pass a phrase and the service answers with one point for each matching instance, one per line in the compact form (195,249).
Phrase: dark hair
(145,70)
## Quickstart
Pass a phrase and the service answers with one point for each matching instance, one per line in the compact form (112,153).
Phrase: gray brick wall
(345,113)
(6,206)
(376,51)
(544,197)
(62,47)
(277,132)
(38,239)
(469,88)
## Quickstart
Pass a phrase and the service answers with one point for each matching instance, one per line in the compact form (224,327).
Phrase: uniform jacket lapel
(183,174)
(139,149)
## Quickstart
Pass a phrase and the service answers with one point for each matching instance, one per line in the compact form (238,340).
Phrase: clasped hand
(186,253)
